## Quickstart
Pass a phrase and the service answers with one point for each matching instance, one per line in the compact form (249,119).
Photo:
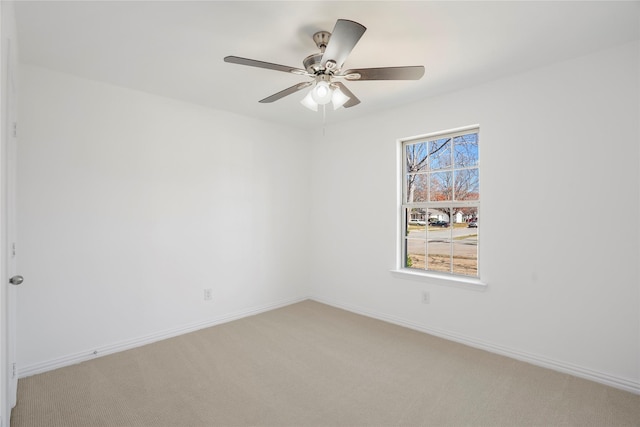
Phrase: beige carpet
(313,365)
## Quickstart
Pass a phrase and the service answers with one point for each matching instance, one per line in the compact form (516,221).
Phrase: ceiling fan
(325,68)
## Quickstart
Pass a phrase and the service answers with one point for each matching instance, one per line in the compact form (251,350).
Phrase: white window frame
(430,275)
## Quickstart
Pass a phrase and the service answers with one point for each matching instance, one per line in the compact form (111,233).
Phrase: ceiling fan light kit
(308,102)
(323,93)
(325,68)
(339,98)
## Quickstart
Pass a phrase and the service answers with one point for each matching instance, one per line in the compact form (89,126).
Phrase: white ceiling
(176,48)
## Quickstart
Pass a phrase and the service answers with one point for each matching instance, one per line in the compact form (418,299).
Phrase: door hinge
(15,129)
(13,249)
(13,375)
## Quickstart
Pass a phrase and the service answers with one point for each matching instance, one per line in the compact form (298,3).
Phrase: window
(440,203)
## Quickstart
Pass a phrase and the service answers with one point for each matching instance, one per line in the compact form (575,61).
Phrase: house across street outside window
(440,203)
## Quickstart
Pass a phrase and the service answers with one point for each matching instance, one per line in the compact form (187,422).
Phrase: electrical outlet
(426,298)
(208,294)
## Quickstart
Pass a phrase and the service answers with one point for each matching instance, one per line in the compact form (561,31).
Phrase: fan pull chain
(324,118)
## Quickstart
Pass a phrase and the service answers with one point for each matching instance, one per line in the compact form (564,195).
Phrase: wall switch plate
(426,298)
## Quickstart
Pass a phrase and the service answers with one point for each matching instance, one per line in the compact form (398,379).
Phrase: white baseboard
(534,359)
(60,362)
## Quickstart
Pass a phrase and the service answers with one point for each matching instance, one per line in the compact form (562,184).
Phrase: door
(15,280)
(8,164)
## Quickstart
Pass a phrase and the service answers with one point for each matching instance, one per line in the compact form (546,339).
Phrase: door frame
(8,163)
(11,242)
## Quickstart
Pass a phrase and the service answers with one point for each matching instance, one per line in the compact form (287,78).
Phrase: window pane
(465,150)
(416,157)
(416,253)
(467,187)
(440,154)
(438,217)
(465,243)
(467,215)
(439,246)
(417,188)
(416,226)
(441,186)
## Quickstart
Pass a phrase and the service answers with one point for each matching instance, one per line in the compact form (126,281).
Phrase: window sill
(440,279)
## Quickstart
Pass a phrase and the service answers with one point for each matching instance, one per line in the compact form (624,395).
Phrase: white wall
(559,146)
(131,205)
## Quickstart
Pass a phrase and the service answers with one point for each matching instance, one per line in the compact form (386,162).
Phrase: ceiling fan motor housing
(312,63)
(322,39)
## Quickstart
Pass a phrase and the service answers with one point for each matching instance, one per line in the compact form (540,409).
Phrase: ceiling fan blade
(343,39)
(262,64)
(384,73)
(353,100)
(287,91)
